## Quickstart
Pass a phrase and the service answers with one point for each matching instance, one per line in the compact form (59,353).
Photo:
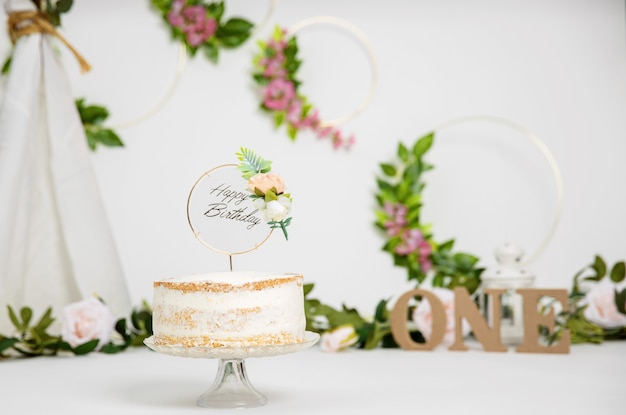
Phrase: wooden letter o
(399,330)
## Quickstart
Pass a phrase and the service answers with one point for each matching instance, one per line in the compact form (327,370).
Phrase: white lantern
(508,274)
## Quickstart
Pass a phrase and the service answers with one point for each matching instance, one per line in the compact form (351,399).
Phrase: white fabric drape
(56,246)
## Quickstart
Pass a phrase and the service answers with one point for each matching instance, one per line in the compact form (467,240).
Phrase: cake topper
(229,215)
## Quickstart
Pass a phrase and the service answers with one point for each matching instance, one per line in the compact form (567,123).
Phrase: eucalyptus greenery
(32,338)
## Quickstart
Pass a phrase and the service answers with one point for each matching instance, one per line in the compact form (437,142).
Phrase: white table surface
(589,380)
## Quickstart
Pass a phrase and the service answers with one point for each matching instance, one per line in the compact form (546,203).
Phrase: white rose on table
(423,317)
(87,320)
(339,338)
(601,308)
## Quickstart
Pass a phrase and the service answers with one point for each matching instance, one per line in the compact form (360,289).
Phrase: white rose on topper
(87,320)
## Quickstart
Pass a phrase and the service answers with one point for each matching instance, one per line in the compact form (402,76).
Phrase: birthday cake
(229,309)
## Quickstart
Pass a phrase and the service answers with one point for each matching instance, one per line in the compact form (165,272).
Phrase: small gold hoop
(360,36)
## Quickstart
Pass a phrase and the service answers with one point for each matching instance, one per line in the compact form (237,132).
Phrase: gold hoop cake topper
(233,216)
(275,72)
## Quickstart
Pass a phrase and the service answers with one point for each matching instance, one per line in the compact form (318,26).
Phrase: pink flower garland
(277,65)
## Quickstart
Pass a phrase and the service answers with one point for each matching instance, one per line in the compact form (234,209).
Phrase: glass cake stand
(231,387)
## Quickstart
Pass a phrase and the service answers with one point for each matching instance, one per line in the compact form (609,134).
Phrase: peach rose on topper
(87,320)
(265,182)
(601,308)
(423,317)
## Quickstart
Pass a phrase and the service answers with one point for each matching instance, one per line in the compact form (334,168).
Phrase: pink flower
(174,16)
(277,46)
(198,34)
(423,317)
(294,113)
(265,182)
(411,239)
(413,242)
(193,21)
(274,69)
(337,139)
(86,320)
(601,308)
(397,213)
(279,94)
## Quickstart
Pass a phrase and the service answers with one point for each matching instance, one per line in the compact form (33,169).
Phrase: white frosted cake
(229,309)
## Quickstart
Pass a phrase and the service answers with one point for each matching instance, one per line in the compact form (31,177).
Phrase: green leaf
(64,6)
(381,313)
(111,348)
(307,288)
(232,41)
(379,331)
(464,262)
(237,25)
(26,313)
(279,117)
(85,348)
(211,51)
(6,67)
(403,152)
(216,10)
(292,132)
(92,114)
(618,272)
(251,163)
(45,321)
(16,322)
(423,144)
(600,267)
(7,342)
(108,138)
(389,169)
(620,301)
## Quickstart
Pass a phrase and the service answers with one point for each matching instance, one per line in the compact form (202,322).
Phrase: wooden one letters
(489,337)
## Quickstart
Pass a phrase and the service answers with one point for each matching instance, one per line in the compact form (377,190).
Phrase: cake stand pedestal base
(231,388)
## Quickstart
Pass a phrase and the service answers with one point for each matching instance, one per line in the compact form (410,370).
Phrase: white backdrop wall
(556,67)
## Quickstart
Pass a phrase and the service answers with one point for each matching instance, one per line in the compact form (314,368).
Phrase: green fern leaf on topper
(252,163)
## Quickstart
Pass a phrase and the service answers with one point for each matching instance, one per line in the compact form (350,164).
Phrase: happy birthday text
(223,210)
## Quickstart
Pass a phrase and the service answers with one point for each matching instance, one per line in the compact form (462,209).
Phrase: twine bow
(27,22)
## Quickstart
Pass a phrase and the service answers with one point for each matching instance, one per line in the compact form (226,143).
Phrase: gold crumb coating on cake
(221,287)
(208,341)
